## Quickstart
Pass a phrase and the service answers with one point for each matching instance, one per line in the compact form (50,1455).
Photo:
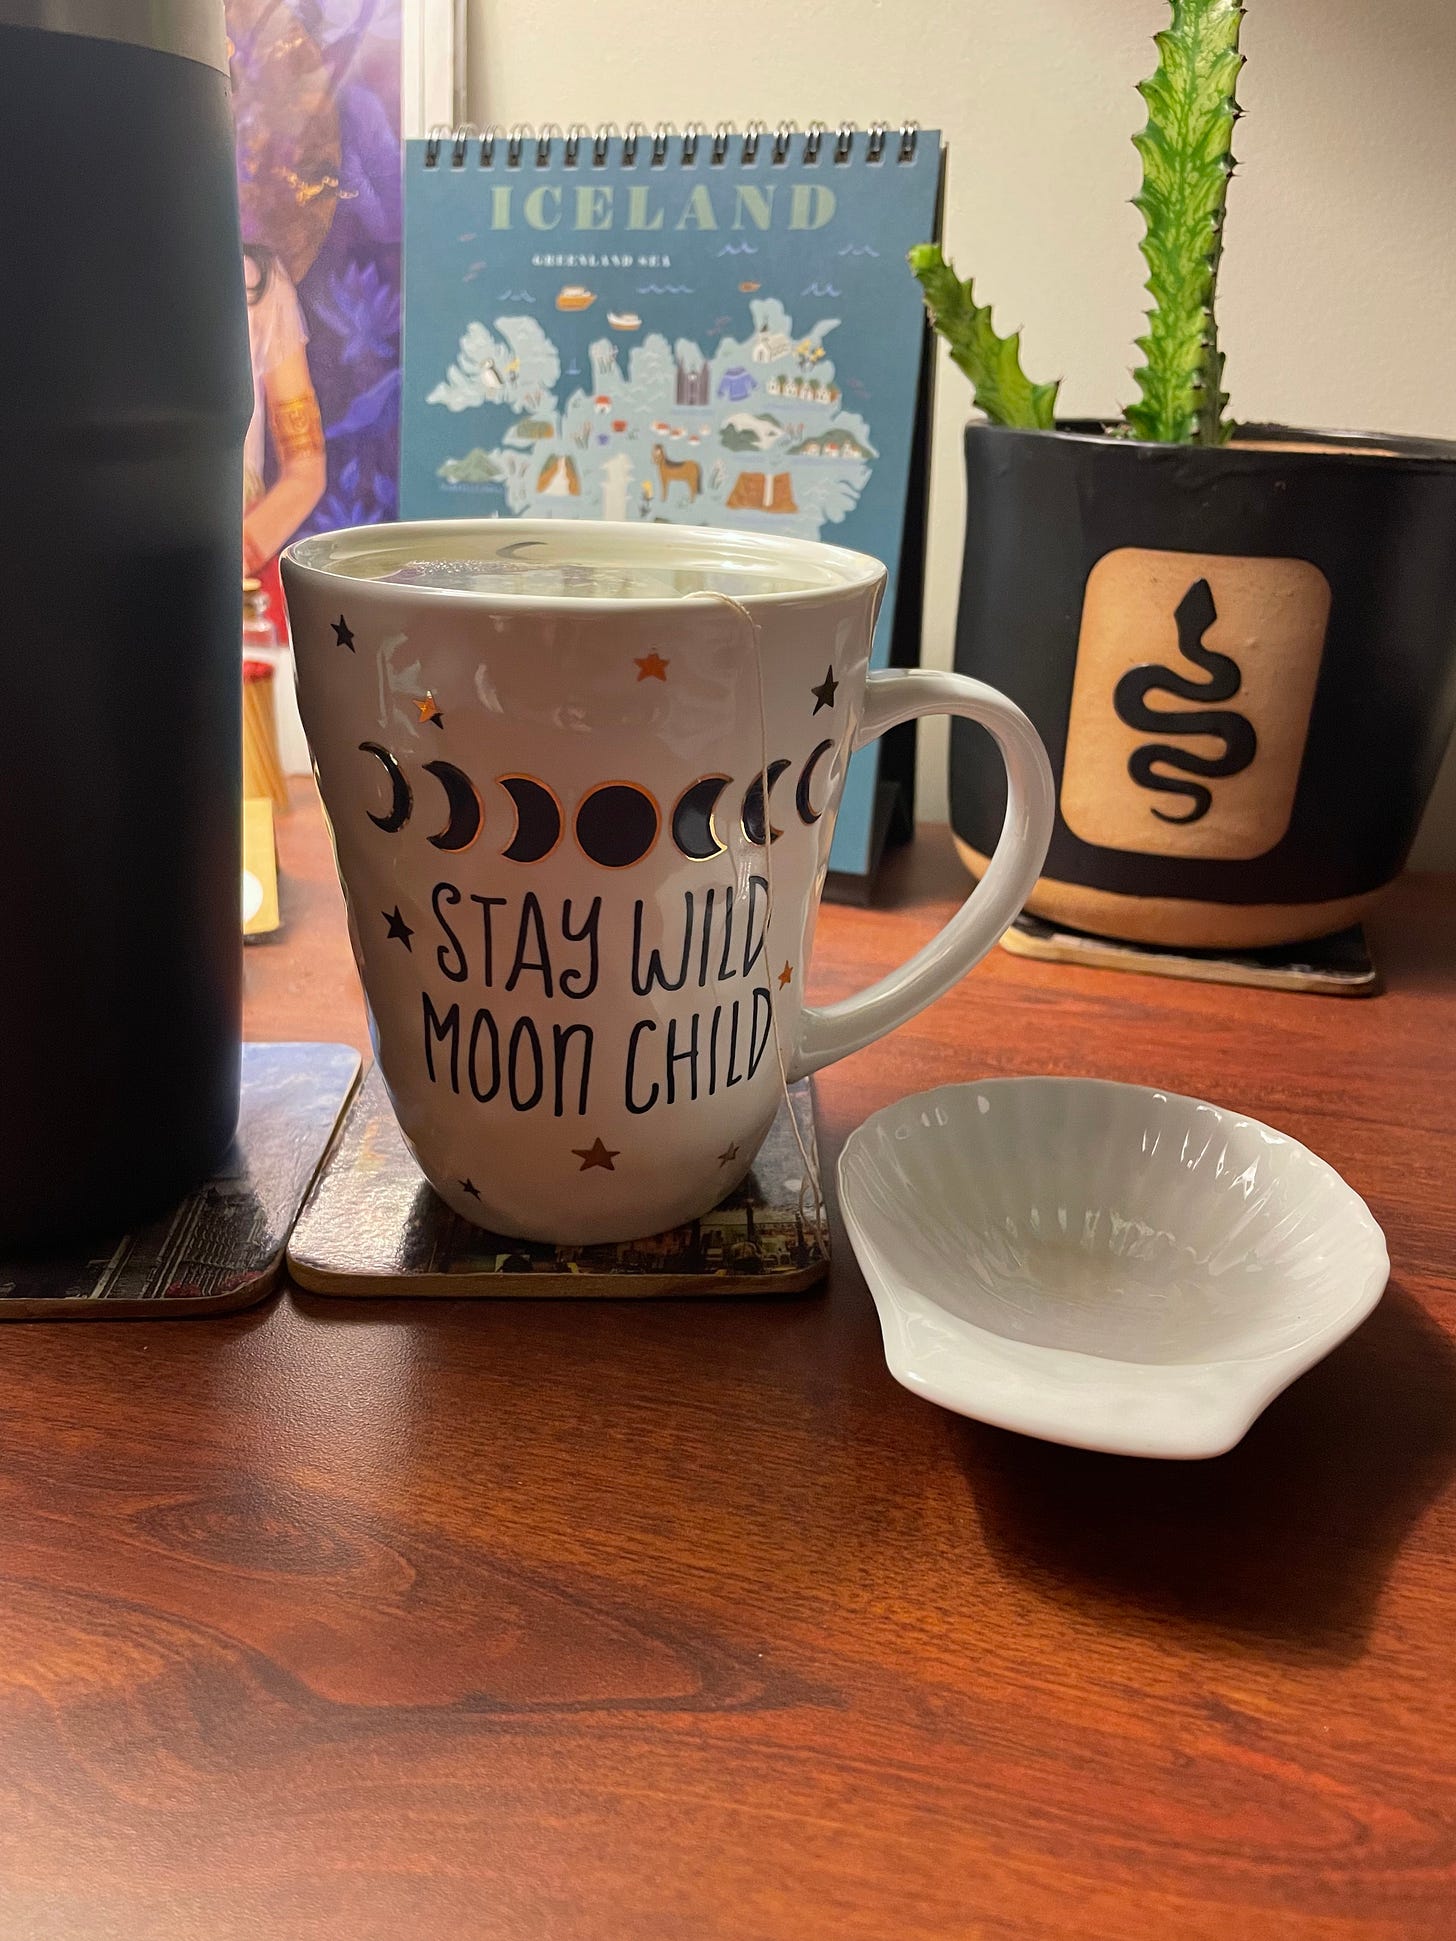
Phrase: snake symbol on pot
(1195,614)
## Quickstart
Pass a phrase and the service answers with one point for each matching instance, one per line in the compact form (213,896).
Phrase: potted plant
(1238,643)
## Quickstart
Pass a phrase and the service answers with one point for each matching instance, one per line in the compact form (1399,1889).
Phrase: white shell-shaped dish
(1103,1265)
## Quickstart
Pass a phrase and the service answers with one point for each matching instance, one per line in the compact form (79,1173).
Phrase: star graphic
(826,690)
(342,633)
(652,667)
(596,1154)
(399,930)
(469,1186)
(786,975)
(727,1158)
(429,711)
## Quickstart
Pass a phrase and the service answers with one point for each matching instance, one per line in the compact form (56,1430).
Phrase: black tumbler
(124,398)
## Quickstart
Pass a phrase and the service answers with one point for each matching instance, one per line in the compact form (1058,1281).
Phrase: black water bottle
(124,398)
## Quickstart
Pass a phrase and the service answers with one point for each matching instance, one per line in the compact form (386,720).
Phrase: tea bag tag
(811,1189)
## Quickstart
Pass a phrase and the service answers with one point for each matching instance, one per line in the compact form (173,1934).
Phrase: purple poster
(316,95)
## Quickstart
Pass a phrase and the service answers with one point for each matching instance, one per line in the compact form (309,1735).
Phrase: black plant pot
(1242,662)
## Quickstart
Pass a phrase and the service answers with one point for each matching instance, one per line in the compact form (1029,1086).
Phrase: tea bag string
(810,1182)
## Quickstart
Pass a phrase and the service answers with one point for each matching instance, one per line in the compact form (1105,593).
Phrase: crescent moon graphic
(807,812)
(513,551)
(692,819)
(467,817)
(538,816)
(753,816)
(399,808)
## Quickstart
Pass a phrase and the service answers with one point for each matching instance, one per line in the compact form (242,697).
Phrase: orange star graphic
(429,711)
(652,667)
(786,975)
(596,1154)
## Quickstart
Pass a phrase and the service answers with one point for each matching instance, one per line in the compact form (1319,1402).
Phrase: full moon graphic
(617,824)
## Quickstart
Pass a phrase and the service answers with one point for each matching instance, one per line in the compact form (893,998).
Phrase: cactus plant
(993,364)
(1186,150)
(1187,161)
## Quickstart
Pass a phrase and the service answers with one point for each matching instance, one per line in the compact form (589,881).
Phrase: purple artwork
(316,97)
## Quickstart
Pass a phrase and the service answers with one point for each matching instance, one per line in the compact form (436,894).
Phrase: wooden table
(682,1622)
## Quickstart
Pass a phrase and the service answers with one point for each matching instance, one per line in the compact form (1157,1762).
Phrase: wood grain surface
(682,1622)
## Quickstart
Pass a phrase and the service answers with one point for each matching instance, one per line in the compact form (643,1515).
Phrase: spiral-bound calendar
(709,328)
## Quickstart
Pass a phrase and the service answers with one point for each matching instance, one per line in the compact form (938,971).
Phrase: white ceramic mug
(582,780)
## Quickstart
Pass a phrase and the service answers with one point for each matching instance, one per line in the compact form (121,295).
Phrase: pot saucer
(1103,1265)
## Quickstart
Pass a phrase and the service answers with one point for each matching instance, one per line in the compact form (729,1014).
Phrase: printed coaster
(222,1248)
(1339,965)
(373,1226)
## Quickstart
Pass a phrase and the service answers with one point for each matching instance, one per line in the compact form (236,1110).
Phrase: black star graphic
(342,633)
(826,690)
(399,930)
(469,1186)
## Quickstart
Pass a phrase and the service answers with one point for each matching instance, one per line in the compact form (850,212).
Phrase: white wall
(1339,282)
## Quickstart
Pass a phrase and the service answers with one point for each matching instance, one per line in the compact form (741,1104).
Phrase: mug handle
(834,1030)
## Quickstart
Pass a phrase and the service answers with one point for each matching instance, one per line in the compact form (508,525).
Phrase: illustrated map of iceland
(754,430)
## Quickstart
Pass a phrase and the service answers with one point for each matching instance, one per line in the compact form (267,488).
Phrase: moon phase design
(802,802)
(754,816)
(538,818)
(617,824)
(467,817)
(692,819)
(516,548)
(399,808)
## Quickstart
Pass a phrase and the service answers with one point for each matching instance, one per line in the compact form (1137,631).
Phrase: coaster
(1339,965)
(222,1248)
(373,1226)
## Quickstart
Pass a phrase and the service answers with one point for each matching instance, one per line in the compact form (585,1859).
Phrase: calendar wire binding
(523,145)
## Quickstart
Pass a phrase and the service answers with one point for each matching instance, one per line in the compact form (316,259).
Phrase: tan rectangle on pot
(1195,679)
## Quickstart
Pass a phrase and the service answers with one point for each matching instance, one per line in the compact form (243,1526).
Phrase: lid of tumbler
(192,28)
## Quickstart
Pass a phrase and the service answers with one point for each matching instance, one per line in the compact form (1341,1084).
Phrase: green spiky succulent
(1187,157)
(993,364)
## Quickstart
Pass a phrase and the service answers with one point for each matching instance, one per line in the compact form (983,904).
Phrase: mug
(582,781)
